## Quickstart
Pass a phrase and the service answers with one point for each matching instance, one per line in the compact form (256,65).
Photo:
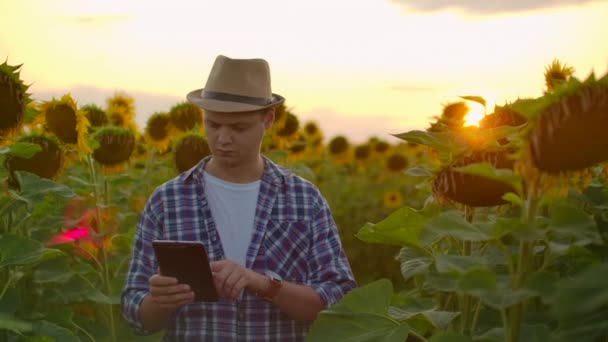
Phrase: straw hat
(236,85)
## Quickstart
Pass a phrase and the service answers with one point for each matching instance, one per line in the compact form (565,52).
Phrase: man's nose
(224,135)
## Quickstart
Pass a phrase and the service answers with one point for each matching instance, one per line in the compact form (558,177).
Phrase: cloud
(488,6)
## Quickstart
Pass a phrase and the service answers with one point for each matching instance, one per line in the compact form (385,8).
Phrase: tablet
(188,262)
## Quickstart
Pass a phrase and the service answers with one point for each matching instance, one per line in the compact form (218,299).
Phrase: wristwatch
(274,285)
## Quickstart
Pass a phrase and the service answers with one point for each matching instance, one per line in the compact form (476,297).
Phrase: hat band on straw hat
(220,96)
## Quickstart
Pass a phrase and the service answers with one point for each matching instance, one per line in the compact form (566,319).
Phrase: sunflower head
(362,152)
(381,147)
(115,146)
(557,73)
(280,112)
(13,100)
(46,163)
(452,117)
(189,150)
(393,199)
(97,117)
(158,131)
(66,122)
(396,162)
(185,116)
(471,190)
(338,145)
(290,126)
(569,133)
(121,110)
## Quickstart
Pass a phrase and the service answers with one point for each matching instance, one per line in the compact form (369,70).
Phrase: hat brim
(195,98)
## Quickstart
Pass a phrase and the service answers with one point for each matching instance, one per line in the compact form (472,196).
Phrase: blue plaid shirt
(294,235)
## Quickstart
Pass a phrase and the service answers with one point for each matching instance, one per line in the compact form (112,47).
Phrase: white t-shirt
(233,208)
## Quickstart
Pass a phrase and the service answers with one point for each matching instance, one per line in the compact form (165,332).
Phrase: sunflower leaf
(22,150)
(477,99)
(486,170)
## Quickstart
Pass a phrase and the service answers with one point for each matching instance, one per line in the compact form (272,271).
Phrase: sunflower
(312,134)
(568,133)
(362,152)
(290,127)
(471,190)
(157,132)
(396,162)
(280,112)
(339,148)
(556,74)
(96,116)
(121,110)
(297,149)
(452,117)
(46,163)
(115,147)
(393,199)
(185,116)
(380,147)
(189,150)
(66,122)
(13,101)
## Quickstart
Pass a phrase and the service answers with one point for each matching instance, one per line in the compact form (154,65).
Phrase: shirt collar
(273,173)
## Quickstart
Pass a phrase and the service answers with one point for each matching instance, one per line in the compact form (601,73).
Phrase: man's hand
(231,278)
(167,293)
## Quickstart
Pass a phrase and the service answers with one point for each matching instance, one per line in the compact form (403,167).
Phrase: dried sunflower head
(97,117)
(46,163)
(13,100)
(115,146)
(471,190)
(396,162)
(157,132)
(189,150)
(568,133)
(185,116)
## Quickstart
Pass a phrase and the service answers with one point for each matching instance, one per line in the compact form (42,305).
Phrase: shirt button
(214,238)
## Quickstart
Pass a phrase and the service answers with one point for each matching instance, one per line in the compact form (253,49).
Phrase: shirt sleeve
(330,273)
(141,267)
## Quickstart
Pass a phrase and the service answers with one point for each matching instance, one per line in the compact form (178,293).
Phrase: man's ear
(268,118)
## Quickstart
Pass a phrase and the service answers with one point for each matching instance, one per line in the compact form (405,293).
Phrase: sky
(358,68)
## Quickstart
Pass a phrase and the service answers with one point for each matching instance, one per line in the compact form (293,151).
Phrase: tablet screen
(188,262)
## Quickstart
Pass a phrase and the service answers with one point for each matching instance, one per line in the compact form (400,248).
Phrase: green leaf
(583,294)
(513,199)
(413,262)
(53,271)
(402,228)
(446,143)
(486,170)
(9,322)
(18,250)
(361,315)
(30,114)
(34,188)
(95,295)
(451,223)
(544,284)
(449,337)
(530,109)
(457,263)
(356,327)
(418,171)
(58,333)
(446,282)
(23,150)
(571,222)
(374,298)
(440,319)
(477,278)
(502,298)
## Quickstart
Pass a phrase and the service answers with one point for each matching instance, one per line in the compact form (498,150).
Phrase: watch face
(273,275)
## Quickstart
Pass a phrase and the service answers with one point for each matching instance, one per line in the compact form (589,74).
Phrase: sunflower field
(494,232)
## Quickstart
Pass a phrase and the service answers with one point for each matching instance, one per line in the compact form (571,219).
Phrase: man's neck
(244,173)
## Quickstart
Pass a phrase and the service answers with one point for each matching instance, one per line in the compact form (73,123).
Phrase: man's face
(235,138)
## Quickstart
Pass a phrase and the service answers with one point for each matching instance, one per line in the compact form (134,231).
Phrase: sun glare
(475,114)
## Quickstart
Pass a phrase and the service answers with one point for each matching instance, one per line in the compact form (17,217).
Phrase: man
(275,252)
